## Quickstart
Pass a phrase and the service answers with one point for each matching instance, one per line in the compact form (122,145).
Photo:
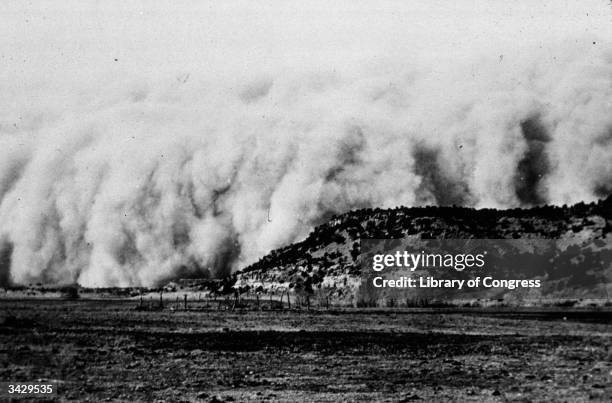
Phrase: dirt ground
(106,350)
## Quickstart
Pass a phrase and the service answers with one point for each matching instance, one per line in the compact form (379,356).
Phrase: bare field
(106,350)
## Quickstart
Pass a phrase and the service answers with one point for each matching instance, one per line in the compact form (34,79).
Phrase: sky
(62,39)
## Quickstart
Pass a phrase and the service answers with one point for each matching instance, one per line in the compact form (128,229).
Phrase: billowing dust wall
(193,144)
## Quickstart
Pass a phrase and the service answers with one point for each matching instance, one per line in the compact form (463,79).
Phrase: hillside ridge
(328,256)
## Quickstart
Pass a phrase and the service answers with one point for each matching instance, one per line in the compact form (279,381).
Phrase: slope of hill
(328,258)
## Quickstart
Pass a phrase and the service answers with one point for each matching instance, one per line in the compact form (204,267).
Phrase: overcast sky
(72,37)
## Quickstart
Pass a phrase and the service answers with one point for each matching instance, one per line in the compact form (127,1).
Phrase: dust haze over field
(140,142)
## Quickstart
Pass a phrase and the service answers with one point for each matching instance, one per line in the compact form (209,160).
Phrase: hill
(326,263)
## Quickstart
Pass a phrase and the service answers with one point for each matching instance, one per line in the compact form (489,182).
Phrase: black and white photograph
(306,201)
